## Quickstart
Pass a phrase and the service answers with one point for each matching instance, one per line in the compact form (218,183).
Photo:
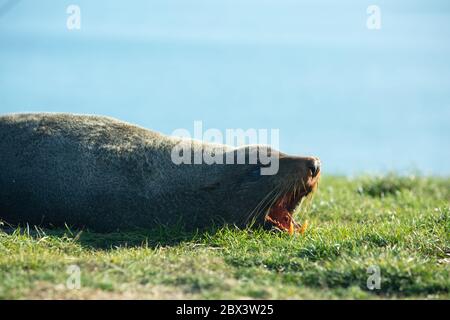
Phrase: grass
(400,224)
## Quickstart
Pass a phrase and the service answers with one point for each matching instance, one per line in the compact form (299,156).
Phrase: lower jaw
(281,213)
(294,227)
(283,220)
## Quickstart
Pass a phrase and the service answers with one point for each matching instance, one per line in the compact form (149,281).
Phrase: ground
(397,225)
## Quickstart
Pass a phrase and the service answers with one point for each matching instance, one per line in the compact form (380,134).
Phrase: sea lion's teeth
(304,227)
(291,229)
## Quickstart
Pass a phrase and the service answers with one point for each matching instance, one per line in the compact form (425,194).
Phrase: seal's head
(251,197)
(299,177)
(296,178)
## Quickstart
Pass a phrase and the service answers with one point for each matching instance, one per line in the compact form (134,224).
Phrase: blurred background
(364,101)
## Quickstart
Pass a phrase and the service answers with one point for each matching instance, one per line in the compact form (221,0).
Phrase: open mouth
(281,212)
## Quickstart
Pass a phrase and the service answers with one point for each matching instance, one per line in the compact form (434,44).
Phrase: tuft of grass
(400,225)
(381,186)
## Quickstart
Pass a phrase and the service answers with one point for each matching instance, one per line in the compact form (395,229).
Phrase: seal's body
(104,174)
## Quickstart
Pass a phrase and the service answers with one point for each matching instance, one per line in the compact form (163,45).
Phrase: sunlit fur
(105,175)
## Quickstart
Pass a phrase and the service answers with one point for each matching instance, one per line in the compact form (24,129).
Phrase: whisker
(249,215)
(294,190)
(272,201)
(308,200)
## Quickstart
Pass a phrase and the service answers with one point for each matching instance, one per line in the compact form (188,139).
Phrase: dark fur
(104,174)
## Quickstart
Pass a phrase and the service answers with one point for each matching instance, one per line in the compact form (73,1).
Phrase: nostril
(314,166)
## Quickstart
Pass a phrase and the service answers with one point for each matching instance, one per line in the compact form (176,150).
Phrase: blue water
(362,100)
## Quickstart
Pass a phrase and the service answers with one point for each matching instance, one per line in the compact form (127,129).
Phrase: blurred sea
(364,101)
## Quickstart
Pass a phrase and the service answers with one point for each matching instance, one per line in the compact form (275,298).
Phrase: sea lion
(106,175)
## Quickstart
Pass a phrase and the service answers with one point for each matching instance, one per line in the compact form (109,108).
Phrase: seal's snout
(314,166)
(306,168)
(299,178)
